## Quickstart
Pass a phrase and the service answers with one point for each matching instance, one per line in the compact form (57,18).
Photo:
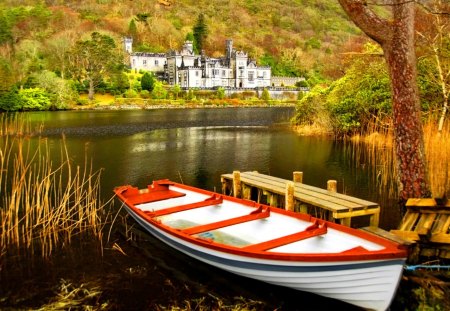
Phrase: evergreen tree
(200,33)
(132,29)
(147,81)
(265,95)
(190,37)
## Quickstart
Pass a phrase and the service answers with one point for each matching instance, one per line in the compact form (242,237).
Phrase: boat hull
(368,285)
(268,244)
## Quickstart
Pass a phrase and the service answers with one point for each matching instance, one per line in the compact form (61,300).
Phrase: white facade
(185,68)
(148,61)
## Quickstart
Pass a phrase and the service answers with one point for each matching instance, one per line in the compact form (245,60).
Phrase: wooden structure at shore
(425,227)
(294,195)
(427,224)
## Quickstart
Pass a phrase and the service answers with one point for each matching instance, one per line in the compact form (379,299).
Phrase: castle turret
(188,47)
(128,44)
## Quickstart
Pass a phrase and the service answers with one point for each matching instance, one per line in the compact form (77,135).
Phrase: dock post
(332,185)
(224,185)
(298,177)
(237,184)
(289,204)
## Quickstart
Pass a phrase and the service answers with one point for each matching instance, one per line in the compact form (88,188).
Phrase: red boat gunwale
(159,190)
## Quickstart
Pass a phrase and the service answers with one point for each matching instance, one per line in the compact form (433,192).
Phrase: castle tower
(128,44)
(188,47)
(229,48)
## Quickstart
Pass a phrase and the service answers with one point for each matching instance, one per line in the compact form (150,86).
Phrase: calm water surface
(196,146)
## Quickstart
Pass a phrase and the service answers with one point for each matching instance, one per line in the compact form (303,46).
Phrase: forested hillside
(294,37)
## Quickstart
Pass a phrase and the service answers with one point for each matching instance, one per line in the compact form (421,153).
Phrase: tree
(396,38)
(6,76)
(434,34)
(34,99)
(159,92)
(176,89)
(265,95)
(120,82)
(200,33)
(57,50)
(132,29)
(56,88)
(93,59)
(220,93)
(147,81)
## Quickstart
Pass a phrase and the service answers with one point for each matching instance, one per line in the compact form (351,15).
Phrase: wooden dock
(294,195)
(428,224)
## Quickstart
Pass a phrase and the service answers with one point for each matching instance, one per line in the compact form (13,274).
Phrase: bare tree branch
(420,3)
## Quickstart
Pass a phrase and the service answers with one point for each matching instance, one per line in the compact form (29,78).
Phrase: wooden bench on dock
(336,206)
(428,224)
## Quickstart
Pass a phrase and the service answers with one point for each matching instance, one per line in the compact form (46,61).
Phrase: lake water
(193,146)
(196,146)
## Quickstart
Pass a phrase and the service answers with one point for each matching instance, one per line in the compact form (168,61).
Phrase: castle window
(156,62)
(144,62)
(224,73)
(251,76)
(196,73)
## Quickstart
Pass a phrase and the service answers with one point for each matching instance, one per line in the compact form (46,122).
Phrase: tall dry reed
(375,148)
(437,148)
(44,202)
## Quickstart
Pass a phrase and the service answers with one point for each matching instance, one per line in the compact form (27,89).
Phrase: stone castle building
(235,69)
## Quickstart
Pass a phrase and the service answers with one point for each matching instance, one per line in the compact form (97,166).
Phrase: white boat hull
(368,285)
(270,245)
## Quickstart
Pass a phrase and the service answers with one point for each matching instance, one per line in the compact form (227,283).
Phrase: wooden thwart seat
(213,200)
(257,214)
(312,231)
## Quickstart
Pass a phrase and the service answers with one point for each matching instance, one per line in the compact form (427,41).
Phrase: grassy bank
(107,102)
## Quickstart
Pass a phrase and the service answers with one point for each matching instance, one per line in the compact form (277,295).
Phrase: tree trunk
(408,133)
(91,89)
(396,37)
(444,92)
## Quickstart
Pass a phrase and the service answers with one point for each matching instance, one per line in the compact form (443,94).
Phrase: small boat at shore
(270,244)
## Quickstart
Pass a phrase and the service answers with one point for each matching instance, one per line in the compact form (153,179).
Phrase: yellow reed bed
(44,202)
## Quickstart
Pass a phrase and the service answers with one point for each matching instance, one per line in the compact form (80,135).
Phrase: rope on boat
(430,267)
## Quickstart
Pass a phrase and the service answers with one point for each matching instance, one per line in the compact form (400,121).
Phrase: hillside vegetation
(295,37)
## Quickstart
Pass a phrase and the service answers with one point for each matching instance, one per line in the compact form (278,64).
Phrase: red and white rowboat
(270,244)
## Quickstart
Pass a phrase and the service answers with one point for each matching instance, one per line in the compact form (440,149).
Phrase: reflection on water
(196,146)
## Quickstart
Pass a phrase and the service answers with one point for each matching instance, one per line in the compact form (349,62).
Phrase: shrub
(159,92)
(34,99)
(220,93)
(145,94)
(130,93)
(265,95)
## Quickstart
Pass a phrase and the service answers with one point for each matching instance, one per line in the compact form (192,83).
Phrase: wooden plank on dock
(307,194)
(386,234)
(341,206)
(429,224)
(307,188)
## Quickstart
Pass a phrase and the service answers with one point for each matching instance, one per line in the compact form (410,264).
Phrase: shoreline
(125,104)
